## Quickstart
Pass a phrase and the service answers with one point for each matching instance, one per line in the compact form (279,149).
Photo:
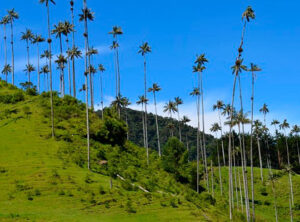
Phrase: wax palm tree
(257,131)
(46,2)
(196,92)
(4,21)
(91,52)
(67,29)
(73,47)
(118,103)
(61,61)
(220,106)
(264,110)
(154,89)
(29,69)
(6,70)
(214,129)
(28,37)
(296,130)
(115,46)
(102,70)
(142,100)
(185,120)
(116,31)
(275,123)
(58,31)
(45,71)
(144,50)
(284,126)
(200,62)
(74,53)
(178,102)
(171,107)
(171,127)
(253,69)
(87,15)
(46,55)
(12,16)
(37,39)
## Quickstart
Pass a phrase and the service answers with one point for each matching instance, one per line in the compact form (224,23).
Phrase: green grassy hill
(45,179)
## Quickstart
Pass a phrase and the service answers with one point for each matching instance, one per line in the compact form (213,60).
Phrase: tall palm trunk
(38,67)
(220,174)
(119,77)
(244,153)
(230,149)
(241,191)
(28,59)
(290,175)
(101,94)
(222,143)
(235,181)
(212,178)
(69,68)
(179,124)
(156,123)
(62,75)
(198,141)
(203,130)
(91,84)
(12,53)
(251,150)
(73,58)
(145,85)
(50,70)
(260,159)
(5,48)
(143,120)
(87,71)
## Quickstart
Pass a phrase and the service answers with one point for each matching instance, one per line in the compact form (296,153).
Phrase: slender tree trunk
(101,93)
(179,124)
(221,125)
(229,149)
(62,78)
(28,62)
(290,175)
(212,178)
(146,122)
(198,142)
(260,159)
(235,181)
(73,58)
(241,191)
(251,151)
(12,53)
(143,120)
(119,77)
(220,175)
(87,71)
(203,129)
(244,152)
(50,70)
(156,123)
(69,69)
(5,48)
(91,85)
(126,119)
(38,67)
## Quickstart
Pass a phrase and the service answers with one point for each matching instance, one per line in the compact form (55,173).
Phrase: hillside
(135,134)
(45,179)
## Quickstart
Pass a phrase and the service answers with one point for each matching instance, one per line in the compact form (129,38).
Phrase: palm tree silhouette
(154,89)
(215,128)
(284,126)
(46,2)
(12,16)
(142,100)
(29,69)
(178,102)
(102,70)
(6,70)
(171,107)
(74,53)
(200,62)
(4,21)
(28,37)
(37,39)
(184,122)
(196,92)
(116,31)
(144,50)
(45,71)
(220,106)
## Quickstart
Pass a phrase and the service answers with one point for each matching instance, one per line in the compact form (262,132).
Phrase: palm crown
(116,30)
(155,88)
(101,68)
(144,49)
(27,35)
(248,14)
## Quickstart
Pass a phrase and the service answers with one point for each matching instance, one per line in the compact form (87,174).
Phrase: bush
(129,207)
(12,98)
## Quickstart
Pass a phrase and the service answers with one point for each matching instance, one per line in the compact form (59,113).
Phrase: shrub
(12,98)
(129,207)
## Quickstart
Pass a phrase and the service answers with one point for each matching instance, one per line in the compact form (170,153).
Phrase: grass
(38,184)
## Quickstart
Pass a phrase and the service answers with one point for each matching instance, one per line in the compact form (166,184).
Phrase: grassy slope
(30,169)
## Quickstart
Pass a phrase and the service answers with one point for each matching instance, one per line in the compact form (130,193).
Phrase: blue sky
(177,31)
